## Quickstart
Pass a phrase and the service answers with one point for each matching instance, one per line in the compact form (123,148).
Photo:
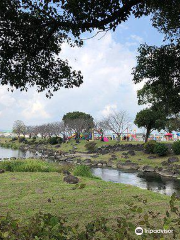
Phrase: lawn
(23,194)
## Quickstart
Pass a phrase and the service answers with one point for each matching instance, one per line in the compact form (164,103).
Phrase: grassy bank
(24,194)
(35,186)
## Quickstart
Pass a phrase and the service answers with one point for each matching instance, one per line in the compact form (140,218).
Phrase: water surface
(151,181)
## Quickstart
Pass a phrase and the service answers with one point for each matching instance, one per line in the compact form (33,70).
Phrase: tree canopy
(160,68)
(150,119)
(32,33)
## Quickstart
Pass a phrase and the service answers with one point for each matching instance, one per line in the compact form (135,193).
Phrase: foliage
(28,166)
(162,75)
(83,171)
(14,139)
(48,227)
(22,140)
(161,149)
(176,147)
(150,146)
(151,119)
(55,140)
(33,32)
(91,146)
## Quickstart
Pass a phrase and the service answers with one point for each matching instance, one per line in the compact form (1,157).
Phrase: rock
(128,166)
(2,171)
(166,173)
(128,161)
(87,161)
(148,169)
(164,163)
(151,157)
(173,159)
(109,164)
(57,146)
(71,179)
(131,152)
(66,172)
(99,164)
(124,153)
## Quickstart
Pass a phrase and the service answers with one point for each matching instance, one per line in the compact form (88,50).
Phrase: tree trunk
(118,137)
(147,135)
(77,137)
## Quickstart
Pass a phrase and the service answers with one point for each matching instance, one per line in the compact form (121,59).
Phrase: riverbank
(123,155)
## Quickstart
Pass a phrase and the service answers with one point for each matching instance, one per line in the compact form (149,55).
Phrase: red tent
(168,134)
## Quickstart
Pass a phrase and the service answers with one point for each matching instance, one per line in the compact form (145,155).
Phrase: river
(151,182)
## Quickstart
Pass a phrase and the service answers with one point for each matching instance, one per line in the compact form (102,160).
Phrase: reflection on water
(146,181)
(8,153)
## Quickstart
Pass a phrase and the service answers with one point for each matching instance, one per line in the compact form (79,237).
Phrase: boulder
(151,157)
(148,169)
(109,164)
(173,159)
(164,163)
(71,179)
(131,152)
(66,172)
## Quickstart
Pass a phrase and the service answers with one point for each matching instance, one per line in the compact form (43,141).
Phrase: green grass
(24,194)
(83,171)
(30,165)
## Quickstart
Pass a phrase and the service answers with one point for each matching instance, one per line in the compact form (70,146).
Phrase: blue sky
(106,65)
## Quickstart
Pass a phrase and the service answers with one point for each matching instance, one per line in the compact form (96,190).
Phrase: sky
(106,62)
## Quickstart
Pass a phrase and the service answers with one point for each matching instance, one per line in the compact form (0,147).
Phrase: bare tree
(102,127)
(19,128)
(117,122)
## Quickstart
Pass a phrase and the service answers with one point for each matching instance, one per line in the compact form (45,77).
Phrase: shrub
(54,140)
(176,147)
(149,146)
(22,140)
(161,149)
(14,139)
(90,146)
(83,171)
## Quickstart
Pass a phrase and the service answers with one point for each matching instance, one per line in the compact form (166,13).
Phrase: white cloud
(108,109)
(137,38)
(106,66)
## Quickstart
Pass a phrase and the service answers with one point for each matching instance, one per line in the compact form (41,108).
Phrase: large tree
(159,67)
(32,33)
(78,122)
(19,128)
(150,119)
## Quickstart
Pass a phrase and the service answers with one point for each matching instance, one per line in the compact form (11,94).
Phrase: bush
(161,149)
(83,171)
(90,146)
(14,139)
(55,140)
(22,140)
(149,146)
(176,147)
